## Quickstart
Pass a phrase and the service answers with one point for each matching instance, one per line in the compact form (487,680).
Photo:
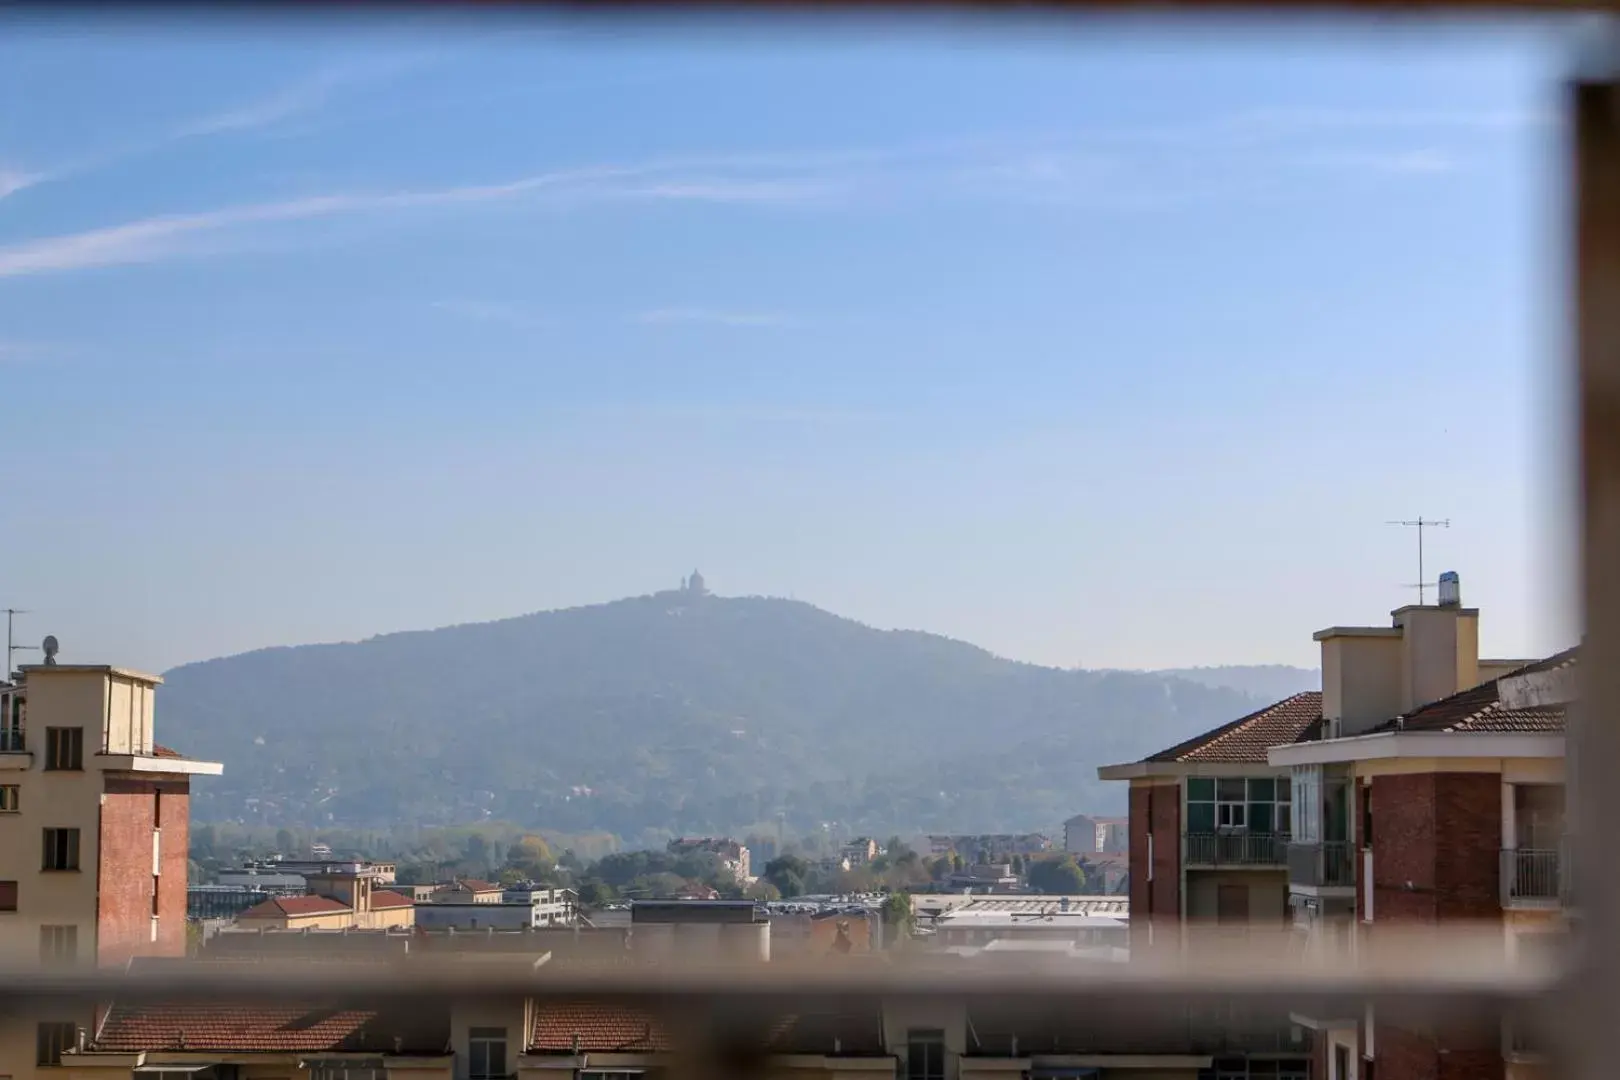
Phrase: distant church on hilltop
(694,586)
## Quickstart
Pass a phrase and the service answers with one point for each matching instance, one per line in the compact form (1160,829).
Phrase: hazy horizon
(1090,355)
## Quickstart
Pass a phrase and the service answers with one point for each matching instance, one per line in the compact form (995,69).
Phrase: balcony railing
(1235,849)
(1531,878)
(1322,864)
(12,741)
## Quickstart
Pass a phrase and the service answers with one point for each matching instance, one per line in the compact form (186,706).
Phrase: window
(10,798)
(52,1039)
(1231,804)
(1262,804)
(8,896)
(64,749)
(58,944)
(925,1054)
(11,724)
(1200,805)
(355,1070)
(61,850)
(486,1053)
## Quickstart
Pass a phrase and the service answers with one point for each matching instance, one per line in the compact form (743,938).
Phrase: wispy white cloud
(299,98)
(15,180)
(666,316)
(161,237)
(1395,162)
(1129,170)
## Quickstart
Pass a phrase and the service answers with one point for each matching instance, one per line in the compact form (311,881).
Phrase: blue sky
(1112,346)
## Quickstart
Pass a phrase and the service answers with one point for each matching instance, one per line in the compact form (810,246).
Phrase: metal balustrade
(1240,848)
(1531,878)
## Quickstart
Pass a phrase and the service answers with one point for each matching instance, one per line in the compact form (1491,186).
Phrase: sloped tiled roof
(599,1027)
(164,751)
(245,1028)
(604,1028)
(1246,739)
(1479,710)
(280,906)
(388,898)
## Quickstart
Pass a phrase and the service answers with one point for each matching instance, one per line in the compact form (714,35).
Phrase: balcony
(1235,849)
(1324,864)
(12,741)
(1531,879)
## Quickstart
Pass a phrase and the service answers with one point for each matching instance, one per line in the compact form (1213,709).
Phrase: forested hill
(673,712)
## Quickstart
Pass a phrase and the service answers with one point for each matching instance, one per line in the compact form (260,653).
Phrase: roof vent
(1450,589)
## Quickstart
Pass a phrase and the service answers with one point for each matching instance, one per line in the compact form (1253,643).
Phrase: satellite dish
(50,647)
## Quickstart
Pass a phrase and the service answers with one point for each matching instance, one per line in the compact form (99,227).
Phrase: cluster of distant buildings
(288,894)
(1423,786)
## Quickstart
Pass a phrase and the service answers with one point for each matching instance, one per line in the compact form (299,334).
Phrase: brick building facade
(94,839)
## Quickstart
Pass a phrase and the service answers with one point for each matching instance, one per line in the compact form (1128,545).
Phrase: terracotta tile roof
(1246,739)
(244,1028)
(1480,710)
(164,751)
(280,906)
(602,1028)
(388,898)
(605,1028)
(1565,659)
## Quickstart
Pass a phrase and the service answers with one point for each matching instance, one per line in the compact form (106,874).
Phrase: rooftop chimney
(1373,673)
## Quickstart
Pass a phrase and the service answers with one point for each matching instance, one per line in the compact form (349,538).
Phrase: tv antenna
(11,649)
(1420,524)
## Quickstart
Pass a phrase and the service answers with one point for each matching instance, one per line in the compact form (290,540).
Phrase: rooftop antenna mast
(1420,524)
(11,649)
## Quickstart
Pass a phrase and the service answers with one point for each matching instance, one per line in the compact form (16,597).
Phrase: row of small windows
(1261,804)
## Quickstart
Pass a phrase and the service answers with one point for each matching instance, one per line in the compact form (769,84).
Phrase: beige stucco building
(94,836)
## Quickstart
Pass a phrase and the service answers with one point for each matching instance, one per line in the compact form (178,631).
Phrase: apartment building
(989,847)
(468,891)
(860,851)
(1448,814)
(733,856)
(341,897)
(515,1038)
(1214,820)
(552,906)
(1210,821)
(1422,786)
(1085,834)
(94,831)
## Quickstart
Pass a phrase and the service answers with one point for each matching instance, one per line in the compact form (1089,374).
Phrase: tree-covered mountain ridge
(670,713)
